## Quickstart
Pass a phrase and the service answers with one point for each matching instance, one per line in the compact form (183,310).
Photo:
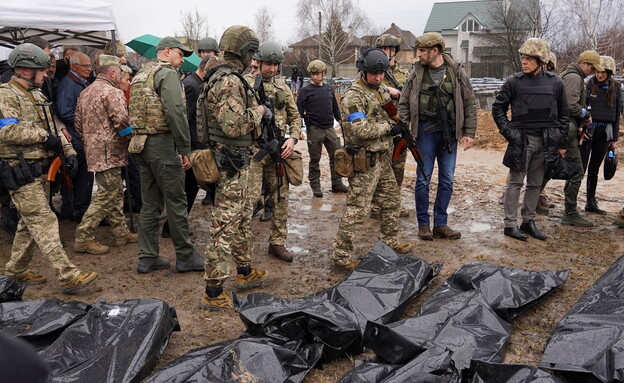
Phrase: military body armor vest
(374,115)
(146,110)
(29,114)
(275,90)
(427,100)
(211,131)
(536,104)
(600,111)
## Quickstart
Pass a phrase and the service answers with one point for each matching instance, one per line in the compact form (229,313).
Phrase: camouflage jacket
(366,124)
(228,109)
(400,75)
(23,126)
(100,114)
(285,109)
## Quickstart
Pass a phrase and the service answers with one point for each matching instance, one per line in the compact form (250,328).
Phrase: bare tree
(194,27)
(595,19)
(263,24)
(335,23)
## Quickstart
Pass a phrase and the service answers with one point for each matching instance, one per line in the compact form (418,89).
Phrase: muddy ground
(474,210)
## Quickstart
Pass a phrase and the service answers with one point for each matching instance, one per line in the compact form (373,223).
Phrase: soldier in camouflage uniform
(368,130)
(26,145)
(394,79)
(231,120)
(102,118)
(270,56)
(158,119)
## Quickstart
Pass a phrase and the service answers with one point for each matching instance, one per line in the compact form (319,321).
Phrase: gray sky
(138,17)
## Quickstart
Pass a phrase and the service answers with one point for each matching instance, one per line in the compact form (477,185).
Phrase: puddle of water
(478,227)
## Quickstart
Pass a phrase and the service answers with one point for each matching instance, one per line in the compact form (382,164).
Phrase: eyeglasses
(85,65)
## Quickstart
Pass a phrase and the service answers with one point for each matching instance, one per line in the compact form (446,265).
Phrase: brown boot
(81,281)
(424,233)
(543,201)
(91,247)
(30,278)
(253,279)
(222,302)
(445,232)
(280,252)
(402,247)
(404,213)
(128,238)
(346,267)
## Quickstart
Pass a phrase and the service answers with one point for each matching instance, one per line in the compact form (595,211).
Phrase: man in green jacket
(162,143)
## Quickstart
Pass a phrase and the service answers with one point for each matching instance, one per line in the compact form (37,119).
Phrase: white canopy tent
(61,22)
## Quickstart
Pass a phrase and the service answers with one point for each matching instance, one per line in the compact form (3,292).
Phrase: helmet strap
(31,80)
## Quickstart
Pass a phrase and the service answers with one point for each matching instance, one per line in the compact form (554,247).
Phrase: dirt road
(474,210)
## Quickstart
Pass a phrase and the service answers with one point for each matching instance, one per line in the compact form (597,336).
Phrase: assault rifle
(392,80)
(271,139)
(60,161)
(406,138)
(442,119)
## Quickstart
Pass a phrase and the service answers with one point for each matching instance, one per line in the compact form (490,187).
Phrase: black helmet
(372,60)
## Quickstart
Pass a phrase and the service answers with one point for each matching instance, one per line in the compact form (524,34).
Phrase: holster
(233,161)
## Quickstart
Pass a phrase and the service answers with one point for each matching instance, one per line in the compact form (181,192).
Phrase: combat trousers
(398,168)
(317,138)
(378,181)
(75,201)
(535,166)
(37,225)
(573,185)
(162,184)
(230,235)
(107,202)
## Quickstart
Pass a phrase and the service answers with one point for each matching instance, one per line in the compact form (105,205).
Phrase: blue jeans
(432,148)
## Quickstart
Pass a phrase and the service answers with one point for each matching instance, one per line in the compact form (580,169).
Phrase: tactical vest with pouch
(29,114)
(600,111)
(146,110)
(427,100)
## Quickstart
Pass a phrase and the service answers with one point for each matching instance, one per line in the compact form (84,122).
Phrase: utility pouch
(22,171)
(8,178)
(232,161)
(204,167)
(361,161)
(137,143)
(343,162)
(36,169)
(293,165)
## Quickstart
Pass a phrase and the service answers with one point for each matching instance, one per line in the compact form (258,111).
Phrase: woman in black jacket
(604,101)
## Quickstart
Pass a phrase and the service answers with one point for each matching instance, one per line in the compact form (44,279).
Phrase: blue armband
(7,121)
(356,116)
(583,111)
(125,132)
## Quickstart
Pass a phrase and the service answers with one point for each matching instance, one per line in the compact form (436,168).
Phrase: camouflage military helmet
(208,44)
(553,60)
(29,56)
(608,63)
(372,60)
(538,48)
(593,58)
(269,52)
(317,66)
(121,49)
(239,40)
(430,40)
(387,40)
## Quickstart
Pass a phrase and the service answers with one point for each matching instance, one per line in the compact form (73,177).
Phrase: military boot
(30,278)
(91,247)
(81,281)
(316,191)
(402,247)
(128,238)
(404,213)
(149,264)
(249,277)
(280,252)
(575,219)
(344,267)
(194,262)
(215,299)
(340,188)
(592,207)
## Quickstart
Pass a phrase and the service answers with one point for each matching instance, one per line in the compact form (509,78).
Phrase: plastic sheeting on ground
(483,372)
(40,322)
(114,342)
(468,315)
(378,289)
(432,366)
(242,360)
(588,344)
(10,290)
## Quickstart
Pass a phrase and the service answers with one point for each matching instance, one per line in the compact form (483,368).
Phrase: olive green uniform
(158,113)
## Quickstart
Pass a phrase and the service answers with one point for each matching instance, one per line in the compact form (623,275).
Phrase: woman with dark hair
(604,101)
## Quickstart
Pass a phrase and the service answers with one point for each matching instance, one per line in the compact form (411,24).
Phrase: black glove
(268,115)
(54,143)
(396,129)
(72,166)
